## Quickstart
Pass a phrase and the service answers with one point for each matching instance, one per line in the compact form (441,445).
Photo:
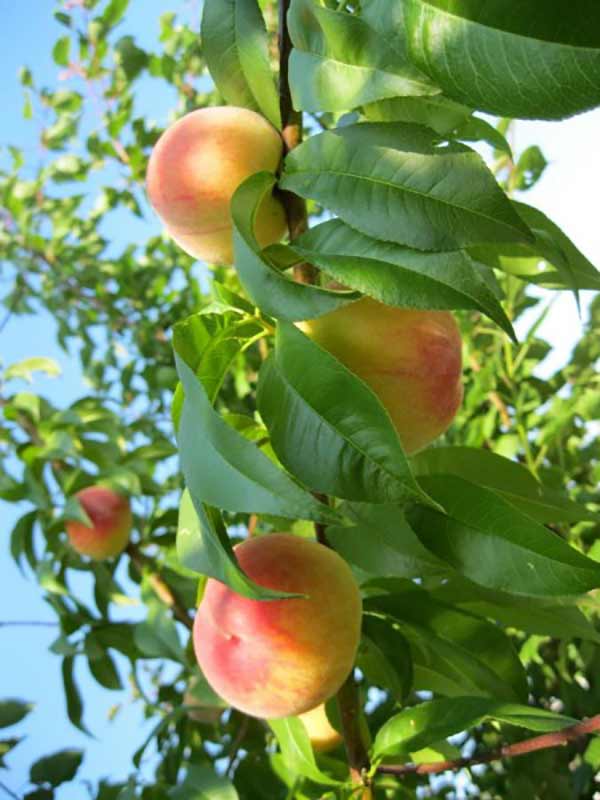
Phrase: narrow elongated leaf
(418,727)
(340,62)
(223,469)
(235,46)
(297,751)
(508,478)
(72,695)
(552,260)
(493,544)
(204,547)
(509,59)
(533,615)
(327,427)
(157,636)
(13,711)
(395,182)
(382,543)
(436,112)
(397,275)
(453,651)
(271,290)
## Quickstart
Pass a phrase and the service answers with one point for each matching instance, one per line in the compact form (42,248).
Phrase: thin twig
(26,623)
(160,587)
(236,745)
(9,791)
(543,742)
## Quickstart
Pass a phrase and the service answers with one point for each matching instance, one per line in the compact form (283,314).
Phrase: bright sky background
(568,193)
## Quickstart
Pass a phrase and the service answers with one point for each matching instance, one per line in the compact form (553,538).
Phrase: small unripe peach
(195,168)
(410,359)
(280,658)
(323,736)
(110,515)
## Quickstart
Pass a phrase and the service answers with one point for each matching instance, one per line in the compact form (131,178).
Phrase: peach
(323,736)
(410,359)
(195,168)
(111,520)
(280,658)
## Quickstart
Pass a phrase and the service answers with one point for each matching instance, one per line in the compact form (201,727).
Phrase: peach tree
(358,529)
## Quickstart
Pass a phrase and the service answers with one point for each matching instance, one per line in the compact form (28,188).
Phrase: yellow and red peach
(280,658)
(110,515)
(323,736)
(410,359)
(195,168)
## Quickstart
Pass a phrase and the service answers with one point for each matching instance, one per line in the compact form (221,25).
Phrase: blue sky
(568,193)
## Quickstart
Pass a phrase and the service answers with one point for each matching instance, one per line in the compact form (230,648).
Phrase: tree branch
(26,624)
(543,742)
(160,587)
(291,123)
(297,218)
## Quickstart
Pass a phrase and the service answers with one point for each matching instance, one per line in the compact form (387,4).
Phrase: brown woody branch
(543,742)
(291,122)
(160,587)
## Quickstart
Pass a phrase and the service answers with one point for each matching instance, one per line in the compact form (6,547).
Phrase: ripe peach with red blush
(280,658)
(110,515)
(195,168)
(410,359)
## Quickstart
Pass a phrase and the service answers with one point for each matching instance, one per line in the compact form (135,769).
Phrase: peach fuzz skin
(410,359)
(110,516)
(280,658)
(194,170)
(323,736)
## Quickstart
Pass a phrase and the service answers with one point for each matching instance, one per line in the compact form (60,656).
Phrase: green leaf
(21,538)
(509,59)
(415,728)
(13,711)
(533,615)
(114,12)
(104,670)
(235,46)
(382,543)
(204,547)
(453,652)
(384,656)
(297,751)
(476,129)
(327,427)
(437,112)
(210,343)
(131,58)
(395,182)
(72,696)
(157,636)
(271,290)
(551,260)
(6,745)
(223,469)
(340,62)
(58,768)
(510,479)
(493,544)
(60,51)
(201,782)
(397,275)
(25,369)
